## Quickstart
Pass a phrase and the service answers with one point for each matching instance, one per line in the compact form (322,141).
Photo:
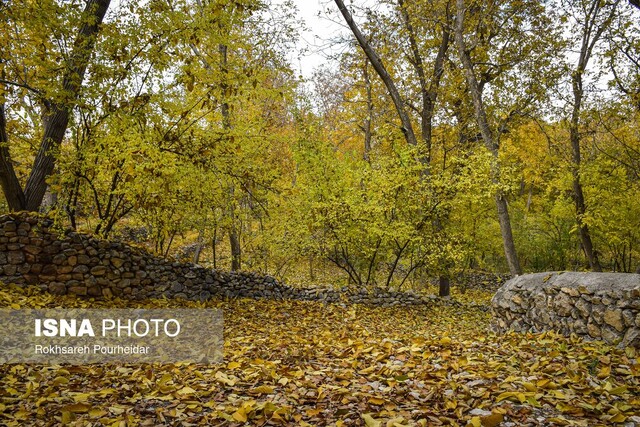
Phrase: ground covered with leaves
(305,363)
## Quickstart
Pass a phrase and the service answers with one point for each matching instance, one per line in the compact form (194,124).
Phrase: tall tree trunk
(489,140)
(234,235)
(56,118)
(381,70)
(591,33)
(578,194)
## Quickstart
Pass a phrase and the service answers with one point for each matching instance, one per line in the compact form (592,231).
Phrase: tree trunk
(199,248)
(234,236)
(236,251)
(368,119)
(591,34)
(377,64)
(56,119)
(444,286)
(490,142)
(214,246)
(507,236)
(8,179)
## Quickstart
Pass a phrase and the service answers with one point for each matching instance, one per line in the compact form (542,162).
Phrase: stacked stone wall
(32,252)
(603,306)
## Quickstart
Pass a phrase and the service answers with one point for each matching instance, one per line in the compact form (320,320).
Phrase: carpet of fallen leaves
(301,363)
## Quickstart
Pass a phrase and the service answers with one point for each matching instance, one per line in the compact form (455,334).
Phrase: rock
(32,249)
(59,259)
(574,292)
(594,330)
(632,338)
(583,307)
(614,318)
(99,270)
(95,291)
(628,316)
(124,283)
(117,262)
(57,288)
(15,257)
(81,269)
(563,305)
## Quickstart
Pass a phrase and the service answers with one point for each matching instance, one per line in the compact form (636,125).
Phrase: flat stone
(117,262)
(81,269)
(64,269)
(99,270)
(574,292)
(124,283)
(32,249)
(57,288)
(614,318)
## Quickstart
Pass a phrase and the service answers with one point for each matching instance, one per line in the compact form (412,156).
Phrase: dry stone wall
(33,253)
(603,306)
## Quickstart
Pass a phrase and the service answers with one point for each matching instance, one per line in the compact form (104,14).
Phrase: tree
(592,18)
(475,89)
(56,111)
(428,91)
(497,51)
